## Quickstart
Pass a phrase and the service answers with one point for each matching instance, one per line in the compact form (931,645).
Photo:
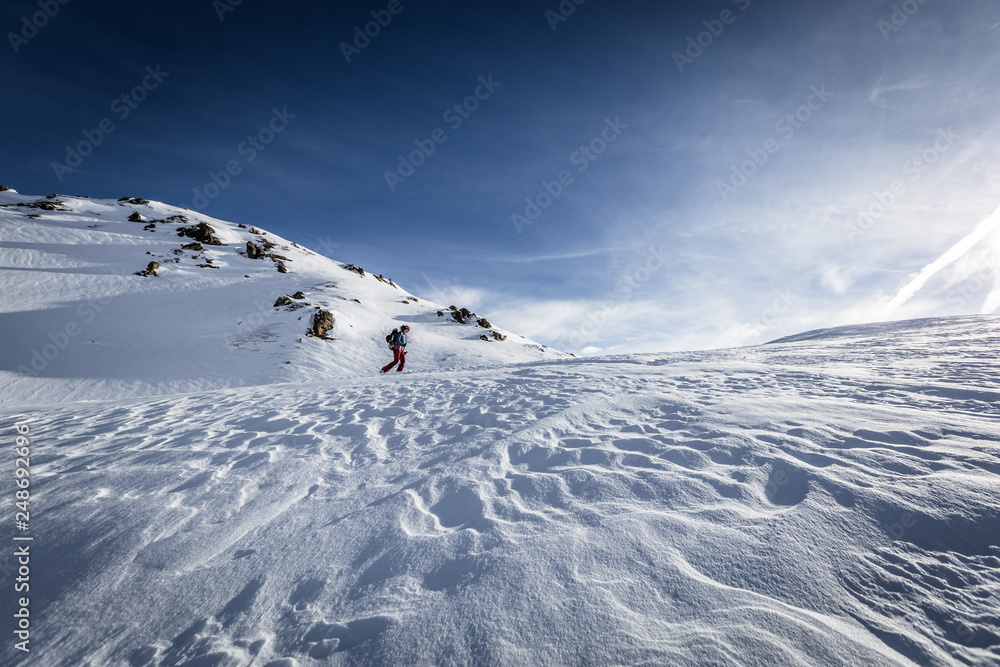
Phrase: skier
(397,342)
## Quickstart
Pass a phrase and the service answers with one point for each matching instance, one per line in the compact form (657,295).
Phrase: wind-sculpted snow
(794,504)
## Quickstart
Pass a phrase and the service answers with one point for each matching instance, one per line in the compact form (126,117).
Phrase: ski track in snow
(831,501)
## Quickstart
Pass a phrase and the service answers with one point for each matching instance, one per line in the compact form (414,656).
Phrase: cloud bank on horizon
(601,177)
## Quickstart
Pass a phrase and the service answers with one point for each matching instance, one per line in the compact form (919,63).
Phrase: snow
(828,499)
(191,328)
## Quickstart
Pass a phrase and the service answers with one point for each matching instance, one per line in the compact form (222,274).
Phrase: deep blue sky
(642,250)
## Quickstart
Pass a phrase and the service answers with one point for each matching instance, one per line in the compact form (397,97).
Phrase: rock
(484,337)
(254,251)
(206,234)
(440,313)
(197,247)
(283,300)
(150,269)
(498,336)
(46,206)
(203,232)
(322,322)
(484,323)
(134,200)
(281,267)
(356,269)
(241,226)
(4,188)
(452,308)
(254,230)
(137,217)
(457,316)
(299,295)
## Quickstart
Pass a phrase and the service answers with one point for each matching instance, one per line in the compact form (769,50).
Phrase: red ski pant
(398,356)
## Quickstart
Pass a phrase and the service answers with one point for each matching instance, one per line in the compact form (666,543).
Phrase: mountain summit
(110,299)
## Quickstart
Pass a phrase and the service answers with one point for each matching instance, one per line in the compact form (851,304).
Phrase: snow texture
(827,499)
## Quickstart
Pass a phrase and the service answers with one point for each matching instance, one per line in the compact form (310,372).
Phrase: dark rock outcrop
(203,233)
(299,295)
(254,251)
(150,269)
(137,217)
(281,267)
(283,300)
(484,323)
(322,323)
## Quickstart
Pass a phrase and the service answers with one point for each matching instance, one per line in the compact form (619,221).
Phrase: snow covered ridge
(830,501)
(106,299)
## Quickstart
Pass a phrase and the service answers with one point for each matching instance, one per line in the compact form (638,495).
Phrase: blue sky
(705,173)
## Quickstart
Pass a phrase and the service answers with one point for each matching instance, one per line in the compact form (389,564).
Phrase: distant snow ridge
(106,299)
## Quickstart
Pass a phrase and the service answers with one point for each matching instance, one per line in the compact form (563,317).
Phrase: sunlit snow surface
(829,501)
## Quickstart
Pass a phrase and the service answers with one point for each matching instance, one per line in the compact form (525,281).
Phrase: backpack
(391,338)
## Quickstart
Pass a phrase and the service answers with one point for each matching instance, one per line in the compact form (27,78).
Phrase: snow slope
(78,324)
(829,500)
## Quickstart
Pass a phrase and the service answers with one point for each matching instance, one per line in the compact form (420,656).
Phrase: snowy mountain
(79,323)
(826,499)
